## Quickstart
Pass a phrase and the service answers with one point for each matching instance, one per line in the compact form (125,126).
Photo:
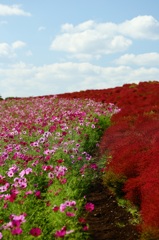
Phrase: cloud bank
(23,79)
(145,59)
(10,10)
(90,40)
(9,50)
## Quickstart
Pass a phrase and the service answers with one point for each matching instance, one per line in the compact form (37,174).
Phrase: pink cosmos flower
(20,218)
(17,231)
(1,236)
(35,232)
(35,163)
(89,207)
(47,158)
(5,205)
(28,170)
(5,187)
(12,197)
(70,203)
(48,168)
(50,175)
(28,192)
(82,220)
(60,171)
(63,180)
(85,228)
(17,147)
(66,204)
(70,214)
(22,173)
(61,233)
(7,225)
(62,207)
(70,231)
(46,134)
(35,144)
(94,166)
(20,182)
(55,208)
(41,140)
(1,177)
(23,185)
(47,152)
(38,194)
(16,223)
(60,160)
(10,173)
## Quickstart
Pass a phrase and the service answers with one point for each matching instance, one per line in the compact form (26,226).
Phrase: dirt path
(104,221)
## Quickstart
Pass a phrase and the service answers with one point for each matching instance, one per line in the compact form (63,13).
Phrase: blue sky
(56,46)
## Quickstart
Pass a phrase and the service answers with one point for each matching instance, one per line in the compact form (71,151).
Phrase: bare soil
(108,220)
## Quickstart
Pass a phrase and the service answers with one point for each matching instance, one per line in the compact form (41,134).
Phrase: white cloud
(8,10)
(9,50)
(145,59)
(18,44)
(89,40)
(28,80)
(141,27)
(6,50)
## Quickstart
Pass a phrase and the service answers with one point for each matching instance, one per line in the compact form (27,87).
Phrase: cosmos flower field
(47,165)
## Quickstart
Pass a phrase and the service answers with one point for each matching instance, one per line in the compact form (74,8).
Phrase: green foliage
(133,210)
(133,85)
(114,182)
(7,98)
(91,138)
(150,233)
(103,123)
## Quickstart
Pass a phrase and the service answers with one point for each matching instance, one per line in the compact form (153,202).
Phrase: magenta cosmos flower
(35,232)
(89,207)
(17,231)
(61,233)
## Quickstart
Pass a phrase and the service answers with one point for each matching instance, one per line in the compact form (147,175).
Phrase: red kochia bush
(135,154)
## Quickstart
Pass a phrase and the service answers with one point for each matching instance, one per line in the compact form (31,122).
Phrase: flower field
(46,165)
(133,143)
